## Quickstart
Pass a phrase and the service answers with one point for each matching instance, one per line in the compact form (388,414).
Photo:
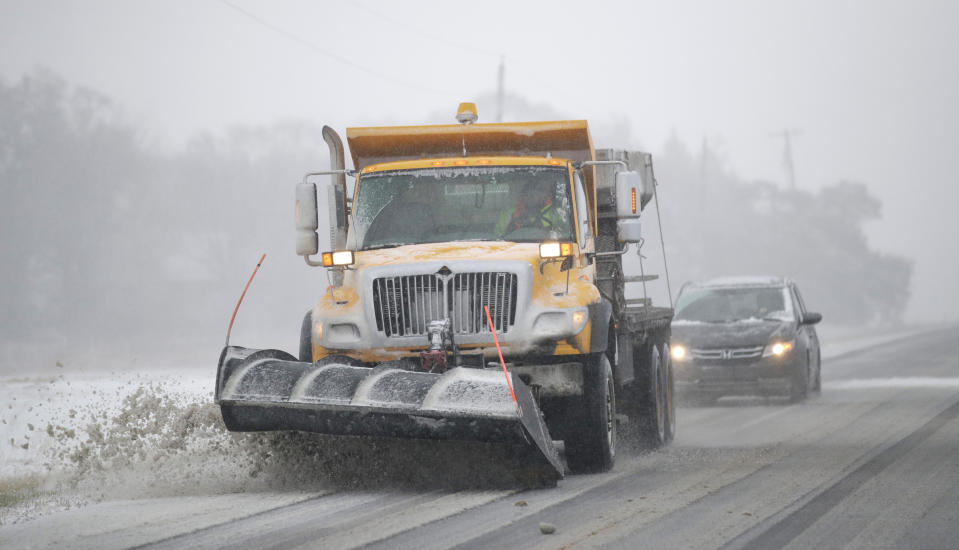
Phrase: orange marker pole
(229,330)
(498,350)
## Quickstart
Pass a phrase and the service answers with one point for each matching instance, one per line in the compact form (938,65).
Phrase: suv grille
(733,353)
(404,306)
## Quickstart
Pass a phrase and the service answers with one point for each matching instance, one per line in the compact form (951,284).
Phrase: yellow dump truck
(476,291)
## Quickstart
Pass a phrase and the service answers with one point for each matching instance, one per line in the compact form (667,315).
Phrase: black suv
(744,336)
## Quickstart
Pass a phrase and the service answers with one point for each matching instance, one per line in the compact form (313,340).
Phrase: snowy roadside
(71,440)
(838,340)
(142,446)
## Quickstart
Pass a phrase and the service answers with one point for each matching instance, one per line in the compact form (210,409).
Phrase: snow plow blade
(269,390)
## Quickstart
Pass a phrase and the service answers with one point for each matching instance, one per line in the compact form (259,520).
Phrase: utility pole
(702,176)
(787,136)
(499,89)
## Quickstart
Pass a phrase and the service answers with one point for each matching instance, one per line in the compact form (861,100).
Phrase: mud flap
(269,390)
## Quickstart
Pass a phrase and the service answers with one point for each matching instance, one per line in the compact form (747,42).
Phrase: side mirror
(629,189)
(307,241)
(629,192)
(810,318)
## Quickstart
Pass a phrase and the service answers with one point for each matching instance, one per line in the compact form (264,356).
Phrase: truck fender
(599,316)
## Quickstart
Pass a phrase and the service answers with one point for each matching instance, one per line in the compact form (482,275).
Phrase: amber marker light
(555,162)
(633,194)
(437,163)
(484,161)
(460,163)
(327,259)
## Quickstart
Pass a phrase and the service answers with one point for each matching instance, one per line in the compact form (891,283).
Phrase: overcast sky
(868,87)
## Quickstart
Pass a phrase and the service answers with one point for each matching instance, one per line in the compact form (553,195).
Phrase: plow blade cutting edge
(269,390)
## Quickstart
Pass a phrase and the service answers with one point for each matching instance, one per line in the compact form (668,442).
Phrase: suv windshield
(721,305)
(475,203)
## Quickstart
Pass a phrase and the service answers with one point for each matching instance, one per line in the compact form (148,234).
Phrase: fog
(148,150)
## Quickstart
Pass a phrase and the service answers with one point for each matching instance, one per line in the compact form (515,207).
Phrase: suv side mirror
(810,318)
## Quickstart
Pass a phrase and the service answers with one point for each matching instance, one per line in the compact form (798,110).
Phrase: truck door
(582,215)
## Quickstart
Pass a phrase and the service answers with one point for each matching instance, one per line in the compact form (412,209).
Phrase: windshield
(511,203)
(720,305)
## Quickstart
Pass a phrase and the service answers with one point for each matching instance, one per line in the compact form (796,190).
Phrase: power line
(421,33)
(332,55)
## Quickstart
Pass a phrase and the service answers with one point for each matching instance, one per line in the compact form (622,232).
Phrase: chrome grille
(730,353)
(404,306)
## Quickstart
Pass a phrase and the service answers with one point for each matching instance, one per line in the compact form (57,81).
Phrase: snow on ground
(123,440)
(70,438)
(836,341)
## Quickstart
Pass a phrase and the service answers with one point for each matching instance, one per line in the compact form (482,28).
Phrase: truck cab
(462,244)
(453,237)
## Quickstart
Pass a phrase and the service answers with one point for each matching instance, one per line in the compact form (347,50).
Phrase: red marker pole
(498,350)
(240,301)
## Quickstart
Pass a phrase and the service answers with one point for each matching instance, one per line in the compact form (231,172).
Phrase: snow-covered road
(121,459)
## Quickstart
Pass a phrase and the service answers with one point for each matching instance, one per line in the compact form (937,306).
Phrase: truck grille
(404,306)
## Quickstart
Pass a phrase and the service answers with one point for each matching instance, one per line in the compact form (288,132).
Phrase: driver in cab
(535,210)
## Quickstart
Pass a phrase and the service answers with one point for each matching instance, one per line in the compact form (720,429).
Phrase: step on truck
(477,291)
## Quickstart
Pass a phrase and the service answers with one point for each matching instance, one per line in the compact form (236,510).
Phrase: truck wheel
(669,401)
(653,408)
(592,447)
(306,342)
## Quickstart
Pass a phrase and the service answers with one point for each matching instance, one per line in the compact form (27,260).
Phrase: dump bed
(642,318)
(567,139)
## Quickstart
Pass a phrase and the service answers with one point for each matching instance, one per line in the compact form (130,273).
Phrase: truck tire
(591,446)
(653,408)
(306,342)
(668,393)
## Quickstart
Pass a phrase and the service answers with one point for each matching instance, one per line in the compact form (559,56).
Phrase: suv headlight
(778,348)
(678,352)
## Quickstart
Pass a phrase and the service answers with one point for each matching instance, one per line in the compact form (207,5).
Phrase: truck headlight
(555,250)
(338,258)
(778,348)
(579,320)
(560,324)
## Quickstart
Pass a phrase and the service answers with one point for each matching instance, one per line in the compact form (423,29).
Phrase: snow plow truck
(476,292)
